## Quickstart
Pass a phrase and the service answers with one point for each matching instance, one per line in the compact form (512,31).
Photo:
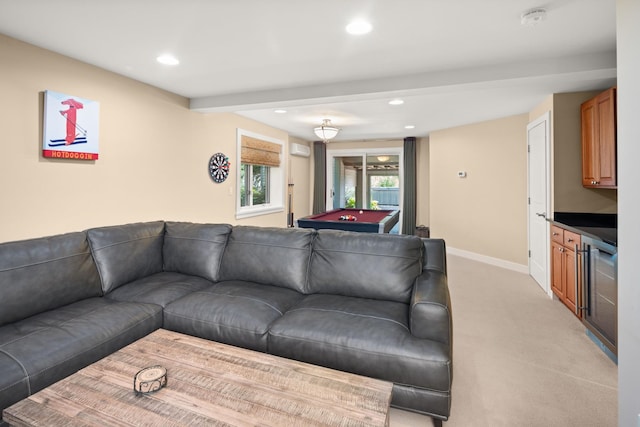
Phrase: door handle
(543,214)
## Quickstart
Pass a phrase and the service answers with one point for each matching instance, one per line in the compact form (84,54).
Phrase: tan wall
(153,152)
(568,193)
(543,107)
(300,176)
(422,182)
(484,213)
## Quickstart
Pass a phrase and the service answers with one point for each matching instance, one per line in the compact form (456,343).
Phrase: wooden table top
(208,383)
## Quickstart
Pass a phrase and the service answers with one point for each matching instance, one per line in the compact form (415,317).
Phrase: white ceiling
(453,62)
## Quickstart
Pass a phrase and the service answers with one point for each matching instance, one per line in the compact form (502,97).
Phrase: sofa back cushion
(195,249)
(270,256)
(41,274)
(366,265)
(124,253)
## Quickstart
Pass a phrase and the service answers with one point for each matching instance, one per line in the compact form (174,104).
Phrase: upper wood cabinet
(598,116)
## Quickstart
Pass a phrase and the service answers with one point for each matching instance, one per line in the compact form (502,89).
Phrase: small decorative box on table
(149,380)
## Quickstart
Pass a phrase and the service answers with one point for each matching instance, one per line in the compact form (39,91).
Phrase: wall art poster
(70,127)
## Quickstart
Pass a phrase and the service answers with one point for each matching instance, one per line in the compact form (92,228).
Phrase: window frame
(275,185)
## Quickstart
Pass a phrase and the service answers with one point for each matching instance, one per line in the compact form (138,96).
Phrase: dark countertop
(597,226)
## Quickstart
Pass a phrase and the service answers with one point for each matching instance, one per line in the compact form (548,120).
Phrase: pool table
(366,220)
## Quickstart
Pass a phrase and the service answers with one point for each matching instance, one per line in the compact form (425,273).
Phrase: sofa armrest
(430,311)
(434,255)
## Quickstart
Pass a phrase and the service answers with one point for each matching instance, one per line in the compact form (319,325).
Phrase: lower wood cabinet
(565,271)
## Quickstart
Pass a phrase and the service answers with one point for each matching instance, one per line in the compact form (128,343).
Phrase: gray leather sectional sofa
(376,305)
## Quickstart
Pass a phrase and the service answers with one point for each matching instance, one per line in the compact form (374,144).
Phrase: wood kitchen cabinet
(598,121)
(565,271)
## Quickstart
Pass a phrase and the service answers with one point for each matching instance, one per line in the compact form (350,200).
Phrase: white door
(539,200)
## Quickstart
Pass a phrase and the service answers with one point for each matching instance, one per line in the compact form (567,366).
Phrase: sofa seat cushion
(364,336)
(160,288)
(434,403)
(54,344)
(233,312)
(14,384)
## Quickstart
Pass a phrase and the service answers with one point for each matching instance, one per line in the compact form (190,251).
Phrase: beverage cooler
(600,292)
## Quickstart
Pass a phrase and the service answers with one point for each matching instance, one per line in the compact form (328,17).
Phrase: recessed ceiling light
(396,102)
(167,60)
(280,111)
(409,127)
(358,28)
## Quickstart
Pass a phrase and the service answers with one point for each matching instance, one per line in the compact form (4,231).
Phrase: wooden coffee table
(208,383)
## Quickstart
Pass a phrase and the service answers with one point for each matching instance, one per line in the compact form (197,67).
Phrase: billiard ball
(360,211)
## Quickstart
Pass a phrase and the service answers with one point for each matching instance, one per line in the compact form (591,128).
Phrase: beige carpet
(520,358)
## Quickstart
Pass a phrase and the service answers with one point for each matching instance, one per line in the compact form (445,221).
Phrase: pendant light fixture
(326,131)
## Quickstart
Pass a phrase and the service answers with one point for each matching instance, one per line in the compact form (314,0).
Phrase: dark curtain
(319,179)
(409,205)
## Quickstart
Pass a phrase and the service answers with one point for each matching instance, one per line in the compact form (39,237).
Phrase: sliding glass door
(383,182)
(364,179)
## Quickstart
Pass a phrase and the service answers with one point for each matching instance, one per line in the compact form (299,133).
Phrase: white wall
(628,35)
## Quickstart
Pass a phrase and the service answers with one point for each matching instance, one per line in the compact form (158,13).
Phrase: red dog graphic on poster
(72,123)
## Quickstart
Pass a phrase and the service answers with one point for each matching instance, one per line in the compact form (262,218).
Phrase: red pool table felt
(369,221)
(367,215)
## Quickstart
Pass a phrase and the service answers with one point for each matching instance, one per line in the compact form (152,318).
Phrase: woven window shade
(259,152)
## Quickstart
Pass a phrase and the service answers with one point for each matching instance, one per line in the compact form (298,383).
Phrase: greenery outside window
(260,175)
(255,185)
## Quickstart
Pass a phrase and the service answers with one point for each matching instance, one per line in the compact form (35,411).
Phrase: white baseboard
(489,260)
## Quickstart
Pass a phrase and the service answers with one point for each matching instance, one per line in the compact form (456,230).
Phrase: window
(255,189)
(260,182)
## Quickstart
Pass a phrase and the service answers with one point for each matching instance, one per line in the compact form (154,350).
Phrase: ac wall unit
(299,150)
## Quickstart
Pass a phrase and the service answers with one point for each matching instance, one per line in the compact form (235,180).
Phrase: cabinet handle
(555,234)
(569,240)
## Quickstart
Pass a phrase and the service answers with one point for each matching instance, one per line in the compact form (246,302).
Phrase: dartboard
(219,167)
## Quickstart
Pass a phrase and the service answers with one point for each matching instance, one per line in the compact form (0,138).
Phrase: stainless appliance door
(600,294)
